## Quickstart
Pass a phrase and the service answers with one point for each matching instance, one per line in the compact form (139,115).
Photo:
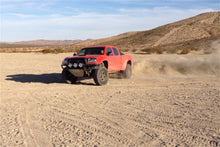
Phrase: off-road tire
(101,76)
(127,72)
(67,77)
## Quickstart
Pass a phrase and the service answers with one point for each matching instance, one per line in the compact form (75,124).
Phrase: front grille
(76,61)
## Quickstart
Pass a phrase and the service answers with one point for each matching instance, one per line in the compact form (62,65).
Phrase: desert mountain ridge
(40,42)
(196,33)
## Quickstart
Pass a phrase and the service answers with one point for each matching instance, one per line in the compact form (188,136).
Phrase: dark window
(115,52)
(109,52)
(91,51)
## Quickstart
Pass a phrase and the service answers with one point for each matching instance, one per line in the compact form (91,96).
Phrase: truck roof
(100,46)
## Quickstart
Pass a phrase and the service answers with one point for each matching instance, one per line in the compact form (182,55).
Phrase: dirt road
(171,100)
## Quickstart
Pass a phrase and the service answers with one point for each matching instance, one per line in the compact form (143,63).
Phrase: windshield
(91,51)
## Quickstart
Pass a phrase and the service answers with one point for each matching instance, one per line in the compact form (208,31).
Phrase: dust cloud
(179,64)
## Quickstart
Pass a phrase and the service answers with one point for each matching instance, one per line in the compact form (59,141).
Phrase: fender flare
(125,64)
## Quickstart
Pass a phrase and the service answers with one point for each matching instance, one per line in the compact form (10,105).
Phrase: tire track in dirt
(183,138)
(11,132)
(166,125)
(125,127)
(166,122)
(26,115)
(93,124)
(109,126)
(123,113)
(25,126)
(80,119)
(164,131)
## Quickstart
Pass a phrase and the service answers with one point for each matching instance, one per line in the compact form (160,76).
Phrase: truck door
(117,59)
(110,58)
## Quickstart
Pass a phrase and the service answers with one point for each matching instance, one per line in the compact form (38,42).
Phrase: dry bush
(188,50)
(161,50)
(172,51)
(134,50)
(185,51)
(55,50)
(157,50)
(60,49)
(147,50)
(45,51)
(124,49)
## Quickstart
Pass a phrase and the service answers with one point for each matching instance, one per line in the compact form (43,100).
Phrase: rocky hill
(195,33)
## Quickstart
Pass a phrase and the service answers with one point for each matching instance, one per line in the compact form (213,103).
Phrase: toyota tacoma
(96,62)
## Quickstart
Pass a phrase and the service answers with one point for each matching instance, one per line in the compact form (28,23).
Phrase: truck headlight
(65,62)
(92,60)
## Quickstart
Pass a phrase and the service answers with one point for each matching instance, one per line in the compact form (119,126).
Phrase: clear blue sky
(91,19)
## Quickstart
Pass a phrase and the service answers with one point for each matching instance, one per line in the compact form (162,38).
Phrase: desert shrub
(45,51)
(147,50)
(159,50)
(58,50)
(172,51)
(207,52)
(194,49)
(185,51)
(55,50)
(134,50)
(124,49)
(188,50)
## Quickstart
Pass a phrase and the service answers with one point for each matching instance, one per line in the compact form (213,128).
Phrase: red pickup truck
(96,62)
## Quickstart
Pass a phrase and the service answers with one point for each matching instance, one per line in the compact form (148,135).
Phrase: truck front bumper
(86,71)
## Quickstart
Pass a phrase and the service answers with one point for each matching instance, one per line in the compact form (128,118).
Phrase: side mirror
(74,54)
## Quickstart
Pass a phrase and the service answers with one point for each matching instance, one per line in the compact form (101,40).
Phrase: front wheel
(101,76)
(127,72)
(67,77)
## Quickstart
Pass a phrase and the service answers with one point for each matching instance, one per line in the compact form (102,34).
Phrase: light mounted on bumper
(80,65)
(70,65)
(75,65)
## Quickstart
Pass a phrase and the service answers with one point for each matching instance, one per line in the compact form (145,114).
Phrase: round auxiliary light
(75,65)
(70,65)
(80,65)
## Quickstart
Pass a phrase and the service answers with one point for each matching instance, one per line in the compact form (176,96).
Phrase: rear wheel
(67,77)
(127,72)
(101,76)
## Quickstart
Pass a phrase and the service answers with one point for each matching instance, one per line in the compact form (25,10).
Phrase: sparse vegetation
(45,50)
(134,50)
(157,50)
(55,50)
(172,50)
(185,51)
(147,50)
(124,49)
(161,50)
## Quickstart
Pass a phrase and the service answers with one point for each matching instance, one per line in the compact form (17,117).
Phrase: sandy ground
(171,100)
